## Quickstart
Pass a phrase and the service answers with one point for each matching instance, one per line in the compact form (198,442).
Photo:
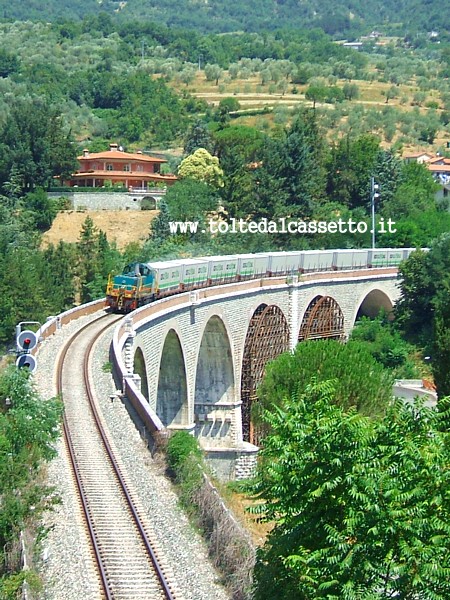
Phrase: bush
(180,447)
(229,545)
(386,345)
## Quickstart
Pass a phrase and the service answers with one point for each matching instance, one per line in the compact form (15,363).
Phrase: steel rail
(113,462)
(68,439)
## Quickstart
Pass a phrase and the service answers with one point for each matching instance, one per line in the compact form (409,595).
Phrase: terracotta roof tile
(119,155)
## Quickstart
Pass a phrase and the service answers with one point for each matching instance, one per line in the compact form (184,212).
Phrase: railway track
(128,561)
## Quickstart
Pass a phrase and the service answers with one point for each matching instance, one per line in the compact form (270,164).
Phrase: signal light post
(374,187)
(26,340)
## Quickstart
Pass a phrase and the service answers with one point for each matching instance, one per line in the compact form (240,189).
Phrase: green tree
(226,106)
(213,73)
(159,227)
(329,359)
(190,200)
(300,165)
(316,93)
(238,148)
(360,507)
(414,193)
(34,146)
(385,344)
(350,166)
(351,91)
(414,309)
(202,166)
(197,137)
(388,174)
(87,249)
(28,432)
(22,293)
(441,342)
(9,63)
(96,259)
(58,270)
(43,210)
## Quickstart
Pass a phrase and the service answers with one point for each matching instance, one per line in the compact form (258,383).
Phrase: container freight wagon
(350,259)
(141,283)
(284,263)
(222,268)
(194,272)
(252,265)
(316,260)
(388,257)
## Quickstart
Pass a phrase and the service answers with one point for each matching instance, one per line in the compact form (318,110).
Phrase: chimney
(113,147)
(85,152)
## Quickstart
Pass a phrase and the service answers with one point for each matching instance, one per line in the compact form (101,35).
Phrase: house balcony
(147,191)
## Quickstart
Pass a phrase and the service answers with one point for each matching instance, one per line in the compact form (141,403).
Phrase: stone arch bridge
(193,361)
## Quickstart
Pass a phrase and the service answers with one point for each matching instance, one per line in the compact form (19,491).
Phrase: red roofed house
(134,171)
(419,157)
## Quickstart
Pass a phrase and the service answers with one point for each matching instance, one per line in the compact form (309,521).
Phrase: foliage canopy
(28,431)
(361,506)
(360,381)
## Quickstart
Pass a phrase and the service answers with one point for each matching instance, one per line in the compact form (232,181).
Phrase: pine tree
(301,165)
(198,137)
(88,259)
(159,227)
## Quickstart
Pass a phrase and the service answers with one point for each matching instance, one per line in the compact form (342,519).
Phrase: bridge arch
(371,304)
(215,390)
(267,337)
(139,367)
(323,318)
(172,397)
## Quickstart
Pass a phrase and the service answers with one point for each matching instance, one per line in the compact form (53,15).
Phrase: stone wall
(103,200)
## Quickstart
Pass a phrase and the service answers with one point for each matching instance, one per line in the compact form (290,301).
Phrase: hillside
(335,17)
(120,227)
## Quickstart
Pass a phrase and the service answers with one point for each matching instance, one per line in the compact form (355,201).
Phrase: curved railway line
(128,562)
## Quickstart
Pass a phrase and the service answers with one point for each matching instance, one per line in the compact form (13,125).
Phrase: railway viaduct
(193,361)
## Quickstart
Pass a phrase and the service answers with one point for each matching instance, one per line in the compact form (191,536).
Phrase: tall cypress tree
(302,165)
(441,346)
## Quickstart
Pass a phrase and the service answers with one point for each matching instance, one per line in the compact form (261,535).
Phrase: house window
(109,167)
(156,168)
(139,168)
(126,168)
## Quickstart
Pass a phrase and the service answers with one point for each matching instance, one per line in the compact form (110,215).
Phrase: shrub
(180,447)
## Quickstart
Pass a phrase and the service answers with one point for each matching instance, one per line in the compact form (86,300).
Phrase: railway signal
(26,361)
(26,341)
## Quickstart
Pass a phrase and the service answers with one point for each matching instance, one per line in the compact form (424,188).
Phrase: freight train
(141,283)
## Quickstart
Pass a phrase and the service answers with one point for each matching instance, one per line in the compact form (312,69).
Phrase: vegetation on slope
(334,17)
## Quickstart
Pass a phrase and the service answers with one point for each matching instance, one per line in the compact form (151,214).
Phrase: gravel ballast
(66,568)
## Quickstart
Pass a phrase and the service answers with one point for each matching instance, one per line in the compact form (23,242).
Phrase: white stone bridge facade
(193,361)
